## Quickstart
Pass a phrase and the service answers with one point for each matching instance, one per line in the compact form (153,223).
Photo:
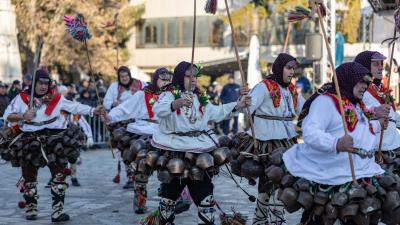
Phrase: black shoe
(75,182)
(31,217)
(129,185)
(182,206)
(63,217)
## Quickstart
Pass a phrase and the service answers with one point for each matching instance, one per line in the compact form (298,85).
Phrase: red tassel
(117,179)
(211,6)
(21,204)
(67,172)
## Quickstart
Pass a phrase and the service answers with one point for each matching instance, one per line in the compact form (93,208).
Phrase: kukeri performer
(45,140)
(375,97)
(139,107)
(117,93)
(275,103)
(319,177)
(187,144)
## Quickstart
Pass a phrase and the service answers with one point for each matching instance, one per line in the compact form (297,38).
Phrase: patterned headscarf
(127,70)
(278,66)
(40,74)
(153,86)
(179,74)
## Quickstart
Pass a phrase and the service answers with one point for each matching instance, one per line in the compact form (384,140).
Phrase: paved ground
(100,201)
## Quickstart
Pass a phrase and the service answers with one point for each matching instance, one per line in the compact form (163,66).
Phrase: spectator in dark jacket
(4,101)
(230,93)
(27,81)
(14,90)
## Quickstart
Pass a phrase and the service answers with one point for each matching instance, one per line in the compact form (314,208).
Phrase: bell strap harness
(197,133)
(38,124)
(364,153)
(278,118)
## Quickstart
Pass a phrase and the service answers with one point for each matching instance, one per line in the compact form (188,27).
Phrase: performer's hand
(116,103)
(384,123)
(345,144)
(29,115)
(244,90)
(99,110)
(244,102)
(104,117)
(89,142)
(382,111)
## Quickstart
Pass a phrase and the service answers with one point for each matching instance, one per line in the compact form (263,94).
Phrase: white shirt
(391,136)
(171,122)
(135,107)
(262,104)
(112,95)
(317,159)
(17,105)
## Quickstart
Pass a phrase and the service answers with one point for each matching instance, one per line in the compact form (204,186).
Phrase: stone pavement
(100,201)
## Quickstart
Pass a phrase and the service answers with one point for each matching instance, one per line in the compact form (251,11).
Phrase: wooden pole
(193,47)
(339,96)
(97,91)
(387,100)
(242,75)
(289,29)
(35,65)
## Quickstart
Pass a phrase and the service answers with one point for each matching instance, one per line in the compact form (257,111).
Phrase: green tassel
(151,219)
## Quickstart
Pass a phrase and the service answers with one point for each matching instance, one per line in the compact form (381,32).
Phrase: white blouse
(391,136)
(171,121)
(135,107)
(262,104)
(112,95)
(17,105)
(317,159)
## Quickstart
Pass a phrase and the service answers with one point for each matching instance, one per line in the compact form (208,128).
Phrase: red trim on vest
(372,90)
(275,92)
(51,105)
(147,97)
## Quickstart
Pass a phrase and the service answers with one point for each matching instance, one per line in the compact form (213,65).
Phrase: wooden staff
(387,100)
(35,65)
(193,46)
(289,29)
(339,96)
(116,36)
(242,76)
(97,91)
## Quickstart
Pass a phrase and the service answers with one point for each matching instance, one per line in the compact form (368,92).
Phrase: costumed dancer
(275,103)
(375,97)
(319,177)
(117,93)
(137,146)
(187,146)
(45,139)
(81,122)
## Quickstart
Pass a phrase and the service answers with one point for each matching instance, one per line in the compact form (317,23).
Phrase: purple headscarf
(153,86)
(179,74)
(40,74)
(127,70)
(365,58)
(278,66)
(348,75)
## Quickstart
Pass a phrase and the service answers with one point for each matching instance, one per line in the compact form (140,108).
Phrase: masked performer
(45,140)
(275,103)
(375,97)
(183,135)
(140,107)
(320,178)
(118,93)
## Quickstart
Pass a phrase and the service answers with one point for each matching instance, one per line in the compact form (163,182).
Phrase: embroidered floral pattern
(275,92)
(381,95)
(350,112)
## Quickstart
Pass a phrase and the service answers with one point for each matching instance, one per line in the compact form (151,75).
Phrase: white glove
(89,142)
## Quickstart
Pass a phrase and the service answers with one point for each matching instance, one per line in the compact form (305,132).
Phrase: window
(172,28)
(150,34)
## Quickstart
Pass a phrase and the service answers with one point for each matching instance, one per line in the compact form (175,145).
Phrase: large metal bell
(205,161)
(176,166)
(221,156)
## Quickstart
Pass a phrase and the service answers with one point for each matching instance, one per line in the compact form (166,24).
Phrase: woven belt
(38,124)
(197,133)
(279,118)
(150,121)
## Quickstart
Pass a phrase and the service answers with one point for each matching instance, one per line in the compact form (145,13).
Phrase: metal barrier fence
(100,133)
